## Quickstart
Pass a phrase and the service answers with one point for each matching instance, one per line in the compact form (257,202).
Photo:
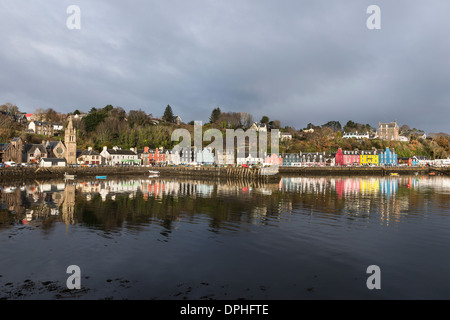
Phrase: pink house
(347,158)
(352,158)
(274,159)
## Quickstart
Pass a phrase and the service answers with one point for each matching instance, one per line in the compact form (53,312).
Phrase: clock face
(59,150)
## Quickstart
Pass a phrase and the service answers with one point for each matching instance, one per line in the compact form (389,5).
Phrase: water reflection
(226,204)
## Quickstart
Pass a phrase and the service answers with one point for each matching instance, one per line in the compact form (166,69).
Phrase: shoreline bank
(26,173)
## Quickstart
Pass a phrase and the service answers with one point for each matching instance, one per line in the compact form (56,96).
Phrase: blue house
(387,157)
(205,156)
(291,159)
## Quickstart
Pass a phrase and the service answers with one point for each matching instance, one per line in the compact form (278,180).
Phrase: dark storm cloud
(296,61)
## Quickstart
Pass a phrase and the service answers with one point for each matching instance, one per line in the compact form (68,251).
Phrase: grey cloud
(296,61)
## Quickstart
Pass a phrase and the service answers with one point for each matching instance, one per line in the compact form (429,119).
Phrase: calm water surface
(173,239)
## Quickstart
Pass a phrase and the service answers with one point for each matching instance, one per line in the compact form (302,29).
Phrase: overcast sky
(296,61)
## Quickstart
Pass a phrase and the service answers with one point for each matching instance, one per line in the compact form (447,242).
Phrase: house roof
(41,123)
(89,153)
(51,144)
(121,152)
(389,124)
(30,148)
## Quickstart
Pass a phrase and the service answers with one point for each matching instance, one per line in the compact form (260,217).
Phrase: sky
(295,61)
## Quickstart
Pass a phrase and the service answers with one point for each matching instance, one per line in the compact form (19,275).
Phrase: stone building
(388,131)
(70,141)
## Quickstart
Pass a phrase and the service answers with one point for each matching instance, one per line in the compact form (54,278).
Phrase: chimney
(105,148)
(89,148)
(145,149)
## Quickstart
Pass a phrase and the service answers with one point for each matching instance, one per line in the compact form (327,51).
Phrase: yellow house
(369,158)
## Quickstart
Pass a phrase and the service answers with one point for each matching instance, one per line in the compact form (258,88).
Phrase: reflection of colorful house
(387,157)
(388,186)
(369,158)
(369,186)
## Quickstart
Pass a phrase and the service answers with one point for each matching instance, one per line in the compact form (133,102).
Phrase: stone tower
(70,140)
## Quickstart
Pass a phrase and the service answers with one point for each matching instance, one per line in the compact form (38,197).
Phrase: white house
(259,127)
(53,162)
(249,160)
(225,157)
(205,156)
(355,135)
(284,136)
(173,157)
(117,156)
(57,126)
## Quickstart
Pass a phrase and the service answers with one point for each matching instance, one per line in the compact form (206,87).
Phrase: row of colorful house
(206,156)
(53,154)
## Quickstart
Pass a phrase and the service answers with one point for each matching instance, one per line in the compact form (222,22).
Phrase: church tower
(70,140)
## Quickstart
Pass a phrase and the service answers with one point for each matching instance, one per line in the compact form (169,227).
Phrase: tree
(264,119)
(245,119)
(168,114)
(51,115)
(350,126)
(93,119)
(333,125)
(215,114)
(137,117)
(9,107)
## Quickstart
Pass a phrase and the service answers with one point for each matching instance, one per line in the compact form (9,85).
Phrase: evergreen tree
(264,119)
(168,114)
(214,115)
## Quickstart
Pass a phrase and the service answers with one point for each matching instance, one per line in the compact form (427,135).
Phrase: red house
(156,156)
(339,158)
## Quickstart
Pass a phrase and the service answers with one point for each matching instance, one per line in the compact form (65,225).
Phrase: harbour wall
(210,172)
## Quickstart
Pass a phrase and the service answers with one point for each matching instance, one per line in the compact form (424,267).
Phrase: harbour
(212,171)
(176,238)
